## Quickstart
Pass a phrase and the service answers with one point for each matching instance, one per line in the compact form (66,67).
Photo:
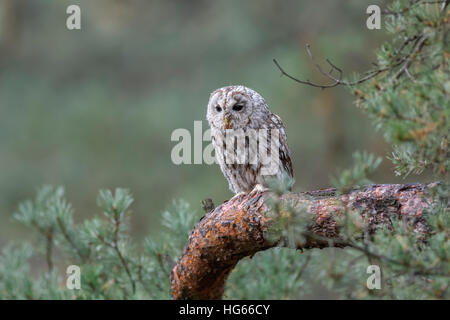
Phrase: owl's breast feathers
(243,177)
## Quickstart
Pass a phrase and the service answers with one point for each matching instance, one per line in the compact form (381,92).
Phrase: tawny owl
(249,140)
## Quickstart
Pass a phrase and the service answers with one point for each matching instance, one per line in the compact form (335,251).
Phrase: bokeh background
(95,108)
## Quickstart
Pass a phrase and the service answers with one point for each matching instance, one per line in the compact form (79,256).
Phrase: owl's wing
(274,122)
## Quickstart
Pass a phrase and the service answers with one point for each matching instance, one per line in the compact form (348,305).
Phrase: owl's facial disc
(230,108)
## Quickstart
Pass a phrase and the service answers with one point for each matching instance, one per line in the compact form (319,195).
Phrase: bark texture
(238,228)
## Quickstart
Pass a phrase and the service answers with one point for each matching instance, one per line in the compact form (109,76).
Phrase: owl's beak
(227,121)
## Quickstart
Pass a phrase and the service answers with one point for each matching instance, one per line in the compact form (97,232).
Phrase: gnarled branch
(238,228)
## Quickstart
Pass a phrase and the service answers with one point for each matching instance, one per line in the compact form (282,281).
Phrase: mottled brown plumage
(240,116)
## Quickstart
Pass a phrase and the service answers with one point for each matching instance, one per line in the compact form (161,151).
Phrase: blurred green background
(95,108)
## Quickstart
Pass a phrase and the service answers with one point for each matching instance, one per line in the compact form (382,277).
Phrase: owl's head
(235,107)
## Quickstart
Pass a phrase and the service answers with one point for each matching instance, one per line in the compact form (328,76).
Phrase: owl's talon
(259,188)
(238,195)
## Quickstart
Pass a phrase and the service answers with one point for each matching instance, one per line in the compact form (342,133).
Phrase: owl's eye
(218,108)
(238,107)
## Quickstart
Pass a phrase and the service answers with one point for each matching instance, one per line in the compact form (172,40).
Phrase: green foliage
(112,266)
(409,99)
(15,281)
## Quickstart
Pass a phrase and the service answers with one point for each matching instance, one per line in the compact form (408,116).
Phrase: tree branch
(336,81)
(404,62)
(239,228)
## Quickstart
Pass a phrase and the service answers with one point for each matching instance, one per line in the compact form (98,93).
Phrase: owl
(250,141)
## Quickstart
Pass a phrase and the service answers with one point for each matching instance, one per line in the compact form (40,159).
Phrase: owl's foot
(238,195)
(259,188)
